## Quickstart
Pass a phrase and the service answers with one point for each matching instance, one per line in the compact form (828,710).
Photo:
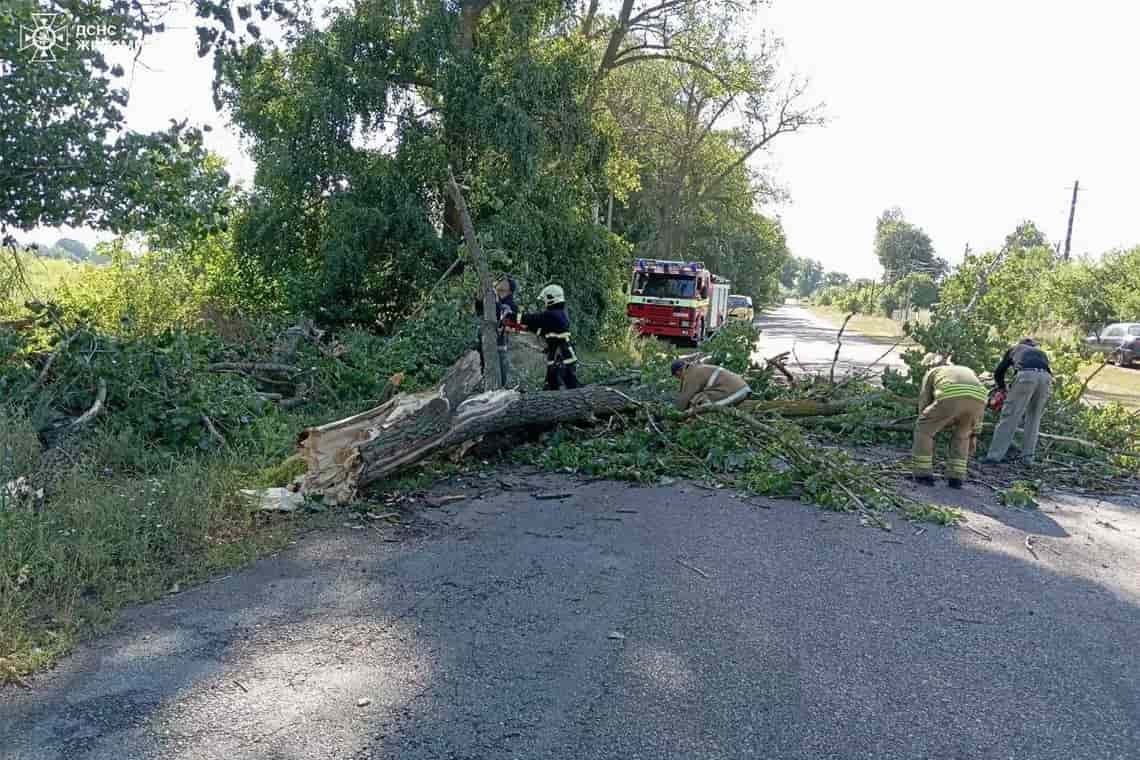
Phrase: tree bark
(588,21)
(331,451)
(617,36)
(482,414)
(488,331)
(346,456)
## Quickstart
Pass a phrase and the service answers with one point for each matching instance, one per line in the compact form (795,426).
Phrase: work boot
(954,483)
(926,480)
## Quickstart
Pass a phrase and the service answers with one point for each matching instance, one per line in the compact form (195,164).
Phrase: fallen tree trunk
(490,412)
(811,408)
(351,454)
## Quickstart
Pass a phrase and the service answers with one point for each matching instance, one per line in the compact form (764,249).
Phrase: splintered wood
(348,455)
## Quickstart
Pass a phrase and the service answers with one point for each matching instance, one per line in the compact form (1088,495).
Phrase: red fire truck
(676,299)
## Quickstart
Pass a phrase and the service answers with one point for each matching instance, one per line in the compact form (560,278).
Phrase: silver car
(1121,341)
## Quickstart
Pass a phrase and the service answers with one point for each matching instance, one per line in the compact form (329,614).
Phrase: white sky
(970,116)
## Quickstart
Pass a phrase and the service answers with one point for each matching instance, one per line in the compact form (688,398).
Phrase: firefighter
(703,384)
(1025,398)
(553,325)
(507,311)
(951,397)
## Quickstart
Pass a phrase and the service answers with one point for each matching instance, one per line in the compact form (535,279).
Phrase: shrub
(732,346)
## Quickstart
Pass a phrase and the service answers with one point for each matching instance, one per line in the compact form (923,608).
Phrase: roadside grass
(865,324)
(1112,384)
(42,277)
(123,522)
(1116,384)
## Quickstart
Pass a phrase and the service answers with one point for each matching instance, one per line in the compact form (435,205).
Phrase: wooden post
(489,329)
(1072,213)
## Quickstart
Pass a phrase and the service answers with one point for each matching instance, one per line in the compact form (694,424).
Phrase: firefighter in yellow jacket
(951,397)
(706,384)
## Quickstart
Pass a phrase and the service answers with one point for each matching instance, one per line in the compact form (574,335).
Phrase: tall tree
(789,271)
(810,277)
(1026,236)
(903,248)
(691,133)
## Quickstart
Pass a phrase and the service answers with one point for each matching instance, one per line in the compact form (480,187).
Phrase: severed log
(331,451)
(810,408)
(489,412)
(351,454)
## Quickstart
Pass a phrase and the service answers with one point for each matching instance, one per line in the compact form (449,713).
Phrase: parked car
(740,308)
(1121,341)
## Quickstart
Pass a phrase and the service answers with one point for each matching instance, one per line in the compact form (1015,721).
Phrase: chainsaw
(996,400)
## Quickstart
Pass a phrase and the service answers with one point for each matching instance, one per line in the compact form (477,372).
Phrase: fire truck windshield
(656,285)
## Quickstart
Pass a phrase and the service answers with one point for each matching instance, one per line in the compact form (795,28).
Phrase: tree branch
(616,39)
(788,121)
(656,9)
(668,57)
(489,330)
(588,21)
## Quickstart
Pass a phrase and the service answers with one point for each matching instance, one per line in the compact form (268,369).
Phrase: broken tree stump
(348,455)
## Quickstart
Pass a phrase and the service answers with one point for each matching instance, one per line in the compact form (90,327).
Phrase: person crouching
(951,397)
(703,384)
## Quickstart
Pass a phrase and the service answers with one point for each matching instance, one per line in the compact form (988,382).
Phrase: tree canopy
(903,248)
(68,158)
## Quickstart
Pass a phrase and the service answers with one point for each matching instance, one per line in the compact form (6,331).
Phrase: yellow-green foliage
(149,293)
(26,276)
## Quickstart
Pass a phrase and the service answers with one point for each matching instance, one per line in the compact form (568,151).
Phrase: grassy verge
(864,324)
(120,523)
(1116,384)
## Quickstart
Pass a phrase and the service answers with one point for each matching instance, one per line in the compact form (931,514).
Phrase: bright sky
(970,116)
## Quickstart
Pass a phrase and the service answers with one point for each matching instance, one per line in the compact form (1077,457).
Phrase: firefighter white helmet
(551,295)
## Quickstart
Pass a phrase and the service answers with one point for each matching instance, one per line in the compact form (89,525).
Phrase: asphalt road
(811,341)
(627,623)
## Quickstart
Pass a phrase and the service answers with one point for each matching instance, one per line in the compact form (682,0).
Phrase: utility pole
(1072,212)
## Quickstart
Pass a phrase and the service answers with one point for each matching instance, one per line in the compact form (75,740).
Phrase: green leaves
(903,248)
(68,159)
(1022,494)
(732,346)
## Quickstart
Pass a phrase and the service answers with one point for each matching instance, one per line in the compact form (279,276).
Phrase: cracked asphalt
(628,623)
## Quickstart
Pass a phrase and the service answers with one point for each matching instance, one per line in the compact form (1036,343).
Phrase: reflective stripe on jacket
(950,381)
(717,384)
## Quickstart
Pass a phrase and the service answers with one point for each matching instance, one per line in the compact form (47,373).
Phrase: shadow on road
(569,629)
